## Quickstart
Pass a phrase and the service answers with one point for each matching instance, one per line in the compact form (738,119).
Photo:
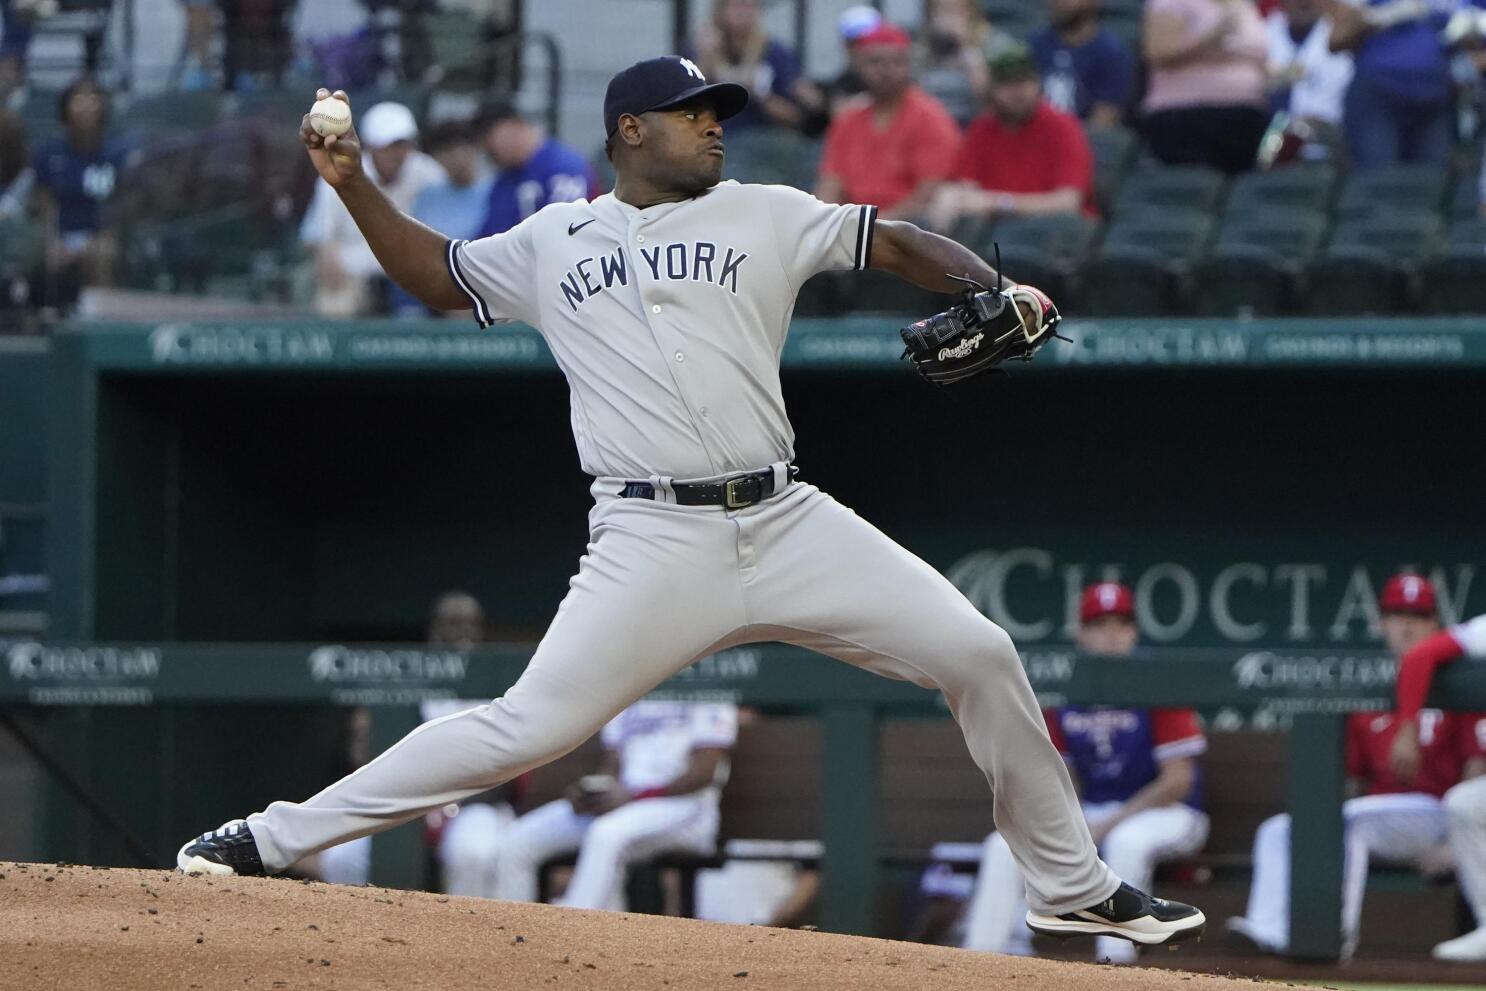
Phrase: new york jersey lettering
(582,282)
(693,262)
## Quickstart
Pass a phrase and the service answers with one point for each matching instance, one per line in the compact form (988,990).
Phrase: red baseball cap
(1406,593)
(1106,599)
(884,34)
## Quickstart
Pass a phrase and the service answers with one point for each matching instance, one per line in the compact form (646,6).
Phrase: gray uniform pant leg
(818,575)
(657,589)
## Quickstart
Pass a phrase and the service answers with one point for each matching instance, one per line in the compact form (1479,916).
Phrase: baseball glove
(987,327)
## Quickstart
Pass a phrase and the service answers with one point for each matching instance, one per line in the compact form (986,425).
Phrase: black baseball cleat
(1128,914)
(230,850)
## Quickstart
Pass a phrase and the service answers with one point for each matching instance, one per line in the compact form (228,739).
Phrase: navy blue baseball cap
(665,82)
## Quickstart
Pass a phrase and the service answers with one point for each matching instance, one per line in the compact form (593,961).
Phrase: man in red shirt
(1391,820)
(1021,157)
(895,148)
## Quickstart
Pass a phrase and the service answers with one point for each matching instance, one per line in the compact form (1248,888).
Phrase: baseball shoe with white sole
(1127,914)
(227,851)
(1470,948)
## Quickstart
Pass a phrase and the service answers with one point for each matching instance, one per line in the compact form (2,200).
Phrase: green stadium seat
(1257,262)
(820,296)
(1372,263)
(1455,280)
(169,114)
(1307,186)
(1145,264)
(1407,187)
(879,292)
(1184,187)
(772,155)
(1046,251)
(1115,149)
(1466,201)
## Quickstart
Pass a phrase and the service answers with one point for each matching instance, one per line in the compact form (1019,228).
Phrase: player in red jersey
(1465,804)
(1391,819)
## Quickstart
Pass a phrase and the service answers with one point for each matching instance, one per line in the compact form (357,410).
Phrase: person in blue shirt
(77,176)
(534,169)
(1086,69)
(456,207)
(1398,106)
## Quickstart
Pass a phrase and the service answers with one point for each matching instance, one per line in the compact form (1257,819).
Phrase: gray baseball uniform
(668,322)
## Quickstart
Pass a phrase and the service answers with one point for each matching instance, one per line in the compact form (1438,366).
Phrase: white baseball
(330,116)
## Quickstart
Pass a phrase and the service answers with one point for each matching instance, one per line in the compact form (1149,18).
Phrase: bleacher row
(1303,238)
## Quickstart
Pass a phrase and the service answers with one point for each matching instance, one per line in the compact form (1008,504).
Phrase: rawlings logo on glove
(987,327)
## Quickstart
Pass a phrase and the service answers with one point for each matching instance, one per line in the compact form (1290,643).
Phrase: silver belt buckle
(730,492)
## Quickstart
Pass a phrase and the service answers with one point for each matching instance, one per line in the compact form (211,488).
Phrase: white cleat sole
(200,865)
(1146,931)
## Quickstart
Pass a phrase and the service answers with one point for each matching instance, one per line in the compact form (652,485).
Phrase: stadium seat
(1256,264)
(170,114)
(1406,187)
(1185,187)
(879,292)
(1114,151)
(1145,264)
(1372,263)
(1308,186)
(1046,251)
(1455,280)
(1465,202)
(772,155)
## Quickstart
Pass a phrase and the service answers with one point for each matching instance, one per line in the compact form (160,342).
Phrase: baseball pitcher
(665,304)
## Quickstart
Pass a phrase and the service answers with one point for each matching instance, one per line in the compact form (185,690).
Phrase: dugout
(306,483)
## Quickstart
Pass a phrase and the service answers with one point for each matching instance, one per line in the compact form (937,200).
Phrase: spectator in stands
(1465,804)
(893,150)
(1393,820)
(349,282)
(534,168)
(1398,106)
(1021,157)
(1206,100)
(733,47)
(20,241)
(201,25)
(956,41)
(1309,79)
(656,791)
(15,37)
(457,206)
(1086,69)
(257,43)
(1139,783)
(854,24)
(77,176)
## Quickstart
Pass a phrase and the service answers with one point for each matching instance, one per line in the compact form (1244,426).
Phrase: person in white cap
(348,280)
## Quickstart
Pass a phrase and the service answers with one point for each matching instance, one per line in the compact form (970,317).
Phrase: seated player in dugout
(1392,818)
(1139,785)
(656,791)
(1465,803)
(666,305)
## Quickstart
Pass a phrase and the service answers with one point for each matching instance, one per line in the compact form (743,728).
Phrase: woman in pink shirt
(1205,101)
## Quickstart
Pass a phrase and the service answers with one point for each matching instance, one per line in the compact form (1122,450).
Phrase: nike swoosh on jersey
(575,228)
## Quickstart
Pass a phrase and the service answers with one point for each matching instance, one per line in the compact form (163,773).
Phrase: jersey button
(640,238)
(680,356)
(705,414)
(655,308)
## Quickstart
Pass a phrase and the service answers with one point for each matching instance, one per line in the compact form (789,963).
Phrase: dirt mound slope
(85,927)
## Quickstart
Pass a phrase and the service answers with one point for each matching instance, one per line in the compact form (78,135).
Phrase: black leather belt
(738,492)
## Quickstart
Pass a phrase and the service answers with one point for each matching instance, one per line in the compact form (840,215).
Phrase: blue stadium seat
(1115,150)
(772,155)
(1145,264)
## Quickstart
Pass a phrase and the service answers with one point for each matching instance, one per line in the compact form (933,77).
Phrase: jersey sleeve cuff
(1192,746)
(866,225)
(456,272)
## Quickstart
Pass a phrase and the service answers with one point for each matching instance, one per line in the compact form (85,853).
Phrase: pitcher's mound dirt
(83,927)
